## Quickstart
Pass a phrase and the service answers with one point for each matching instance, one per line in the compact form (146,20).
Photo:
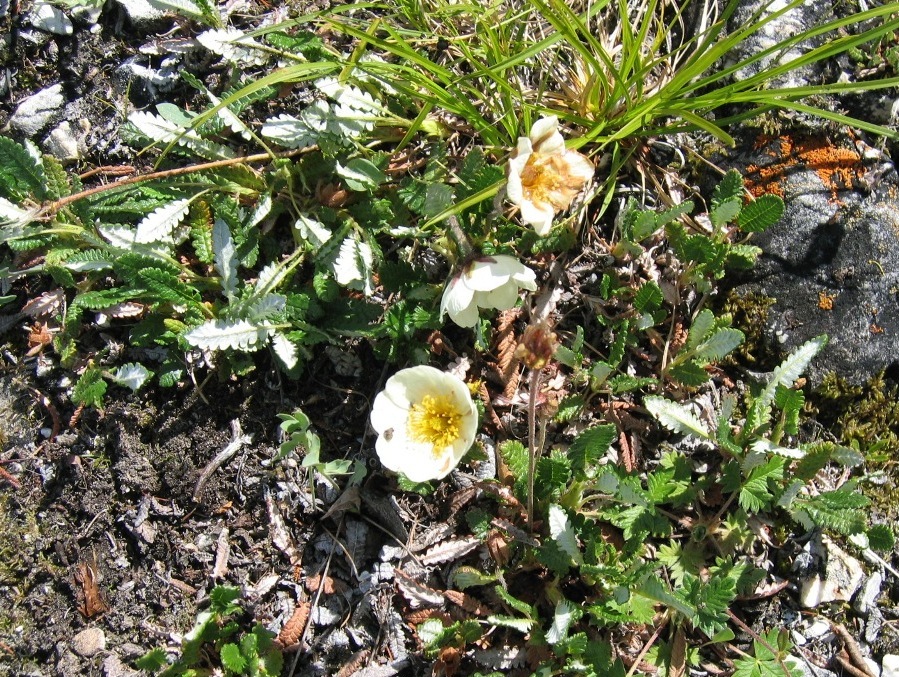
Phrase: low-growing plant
(216,644)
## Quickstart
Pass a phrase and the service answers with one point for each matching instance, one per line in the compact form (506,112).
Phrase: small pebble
(89,642)
(37,111)
(890,665)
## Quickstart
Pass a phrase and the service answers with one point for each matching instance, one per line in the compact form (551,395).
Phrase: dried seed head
(537,346)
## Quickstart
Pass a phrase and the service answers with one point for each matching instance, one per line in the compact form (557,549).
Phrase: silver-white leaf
(563,534)
(159,224)
(285,350)
(225,256)
(353,266)
(675,417)
(224,334)
(132,375)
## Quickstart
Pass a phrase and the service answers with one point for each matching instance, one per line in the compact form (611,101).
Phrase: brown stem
(533,450)
(55,206)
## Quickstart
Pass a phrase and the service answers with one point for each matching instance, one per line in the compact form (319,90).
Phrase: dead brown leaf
(328,585)
(292,632)
(90,597)
(447,664)
(467,602)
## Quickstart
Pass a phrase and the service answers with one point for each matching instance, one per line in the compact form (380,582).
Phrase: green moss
(866,415)
(750,315)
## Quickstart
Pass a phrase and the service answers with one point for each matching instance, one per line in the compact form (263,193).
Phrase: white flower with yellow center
(426,422)
(487,282)
(543,176)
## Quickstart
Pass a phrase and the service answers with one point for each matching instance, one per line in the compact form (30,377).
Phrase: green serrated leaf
(57,181)
(729,188)
(589,447)
(231,658)
(761,214)
(21,172)
(152,661)
(690,374)
(90,388)
(881,537)
(648,297)
(725,212)
(720,344)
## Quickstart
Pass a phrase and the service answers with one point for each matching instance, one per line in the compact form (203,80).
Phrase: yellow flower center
(436,421)
(547,179)
(539,179)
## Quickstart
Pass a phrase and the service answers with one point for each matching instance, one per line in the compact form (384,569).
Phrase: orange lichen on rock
(838,167)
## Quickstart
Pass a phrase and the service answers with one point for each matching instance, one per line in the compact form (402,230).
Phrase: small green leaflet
(675,417)
(760,214)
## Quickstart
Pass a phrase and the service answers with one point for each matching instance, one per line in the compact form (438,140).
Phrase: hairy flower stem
(465,247)
(534,447)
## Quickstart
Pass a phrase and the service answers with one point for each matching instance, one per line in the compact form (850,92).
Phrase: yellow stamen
(436,421)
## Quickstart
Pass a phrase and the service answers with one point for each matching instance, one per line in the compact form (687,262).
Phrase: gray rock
(832,263)
(46,17)
(62,143)
(867,598)
(842,578)
(890,665)
(89,642)
(37,111)
(772,32)
(140,12)
(113,666)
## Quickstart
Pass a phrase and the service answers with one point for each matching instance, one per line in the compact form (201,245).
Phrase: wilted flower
(537,346)
(426,422)
(543,176)
(487,282)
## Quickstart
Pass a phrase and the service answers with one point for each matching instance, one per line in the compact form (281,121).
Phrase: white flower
(426,422)
(488,282)
(543,176)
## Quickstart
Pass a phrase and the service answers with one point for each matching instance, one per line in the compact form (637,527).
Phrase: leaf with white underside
(132,375)
(285,351)
(159,130)
(291,132)
(563,534)
(523,625)
(766,447)
(353,266)
(791,369)
(159,224)
(269,278)
(183,7)
(562,618)
(264,307)
(449,551)
(675,417)
(234,46)
(224,334)
(225,256)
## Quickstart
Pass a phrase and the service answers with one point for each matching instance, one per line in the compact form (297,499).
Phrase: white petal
(526,278)
(487,274)
(514,189)
(466,317)
(390,417)
(503,298)
(540,216)
(458,301)
(578,166)
(542,130)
